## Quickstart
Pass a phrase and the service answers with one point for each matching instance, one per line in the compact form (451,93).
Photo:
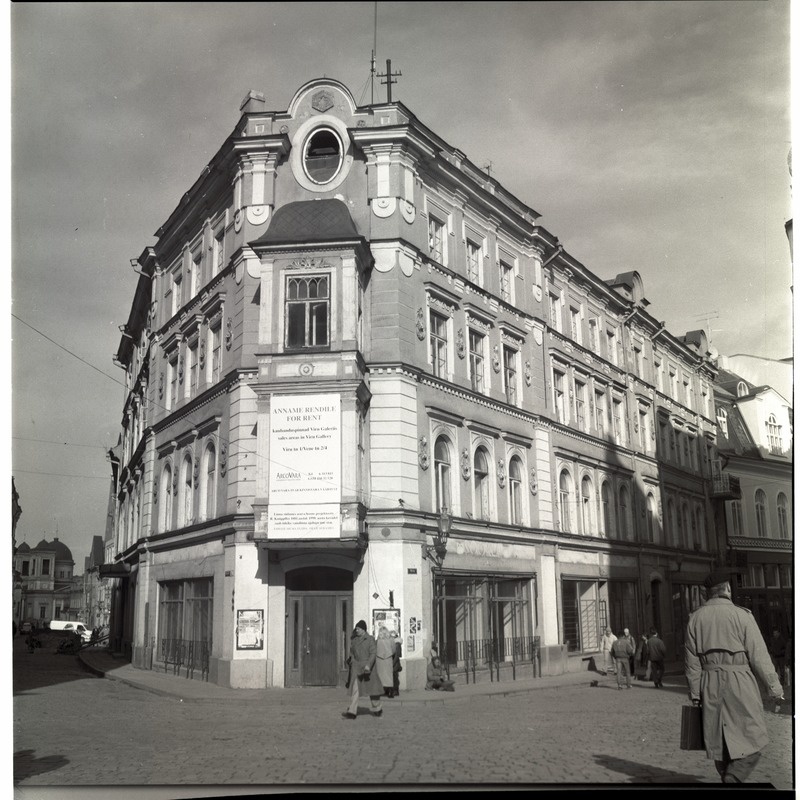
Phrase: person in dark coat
(724,653)
(363,680)
(777,651)
(657,652)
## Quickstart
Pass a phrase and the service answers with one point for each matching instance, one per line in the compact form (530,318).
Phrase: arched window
(605,503)
(481,478)
(686,527)
(783,516)
(652,519)
(565,500)
(185,493)
(515,491)
(587,505)
(624,512)
(208,488)
(441,463)
(165,496)
(722,421)
(741,389)
(737,520)
(761,513)
(773,434)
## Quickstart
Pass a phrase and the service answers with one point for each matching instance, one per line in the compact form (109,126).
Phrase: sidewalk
(101,662)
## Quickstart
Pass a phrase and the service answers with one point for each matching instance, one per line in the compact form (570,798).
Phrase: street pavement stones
(144,728)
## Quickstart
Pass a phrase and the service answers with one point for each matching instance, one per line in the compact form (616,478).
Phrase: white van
(72,626)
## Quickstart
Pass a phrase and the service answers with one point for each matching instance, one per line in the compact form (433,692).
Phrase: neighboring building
(364,382)
(96,590)
(49,588)
(754,435)
(758,371)
(16,578)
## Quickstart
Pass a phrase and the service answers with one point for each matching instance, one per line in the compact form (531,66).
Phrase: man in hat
(363,680)
(724,653)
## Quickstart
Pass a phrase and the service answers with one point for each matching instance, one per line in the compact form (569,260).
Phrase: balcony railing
(186,654)
(725,487)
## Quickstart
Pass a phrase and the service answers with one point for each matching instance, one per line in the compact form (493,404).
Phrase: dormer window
(322,157)
(741,389)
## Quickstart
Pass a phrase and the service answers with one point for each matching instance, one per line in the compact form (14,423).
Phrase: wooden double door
(318,626)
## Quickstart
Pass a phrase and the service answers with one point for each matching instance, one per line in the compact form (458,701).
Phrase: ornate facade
(365,382)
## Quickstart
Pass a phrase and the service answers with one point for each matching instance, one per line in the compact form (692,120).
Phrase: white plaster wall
(549,601)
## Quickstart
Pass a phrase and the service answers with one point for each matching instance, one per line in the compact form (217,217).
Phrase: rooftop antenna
(488,167)
(388,82)
(707,317)
(374,52)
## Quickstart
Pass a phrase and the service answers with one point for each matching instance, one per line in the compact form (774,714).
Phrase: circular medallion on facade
(306,370)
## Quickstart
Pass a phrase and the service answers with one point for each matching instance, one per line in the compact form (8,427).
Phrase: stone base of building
(245,674)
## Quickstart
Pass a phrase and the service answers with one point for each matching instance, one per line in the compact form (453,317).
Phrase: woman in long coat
(363,679)
(384,662)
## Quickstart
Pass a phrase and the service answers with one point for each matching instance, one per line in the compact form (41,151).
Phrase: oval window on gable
(322,156)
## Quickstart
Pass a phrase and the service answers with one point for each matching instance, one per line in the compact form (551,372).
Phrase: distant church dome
(63,553)
(24,548)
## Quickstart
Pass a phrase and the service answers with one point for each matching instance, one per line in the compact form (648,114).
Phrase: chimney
(253,101)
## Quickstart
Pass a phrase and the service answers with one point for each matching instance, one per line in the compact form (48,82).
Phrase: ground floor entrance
(319,619)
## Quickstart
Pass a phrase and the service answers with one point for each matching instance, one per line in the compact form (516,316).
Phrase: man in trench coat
(724,653)
(363,679)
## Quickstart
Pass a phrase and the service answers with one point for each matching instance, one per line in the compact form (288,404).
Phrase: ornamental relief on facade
(528,373)
(501,472)
(202,353)
(228,334)
(420,324)
(180,369)
(496,358)
(460,348)
(440,305)
(384,207)
(477,322)
(160,385)
(534,481)
(422,453)
(466,471)
(307,262)
(223,459)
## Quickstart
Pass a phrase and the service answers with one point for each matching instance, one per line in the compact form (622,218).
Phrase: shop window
(581,615)
(307,311)
(185,622)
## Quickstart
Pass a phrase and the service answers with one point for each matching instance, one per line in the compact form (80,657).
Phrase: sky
(649,136)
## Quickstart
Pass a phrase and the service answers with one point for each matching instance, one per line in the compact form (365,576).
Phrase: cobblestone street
(72,728)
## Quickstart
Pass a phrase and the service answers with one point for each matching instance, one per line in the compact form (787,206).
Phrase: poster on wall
(250,629)
(305,449)
(388,618)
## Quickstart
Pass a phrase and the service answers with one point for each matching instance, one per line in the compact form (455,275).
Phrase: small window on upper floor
(774,435)
(177,300)
(554,302)
(722,421)
(575,324)
(741,389)
(507,281)
(436,238)
(218,252)
(474,263)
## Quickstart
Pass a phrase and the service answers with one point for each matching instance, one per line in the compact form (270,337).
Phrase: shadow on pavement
(26,766)
(644,773)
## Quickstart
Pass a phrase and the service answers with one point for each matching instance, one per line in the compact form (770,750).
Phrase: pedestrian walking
(436,677)
(626,634)
(724,653)
(606,641)
(623,651)
(641,660)
(363,681)
(383,663)
(657,652)
(777,652)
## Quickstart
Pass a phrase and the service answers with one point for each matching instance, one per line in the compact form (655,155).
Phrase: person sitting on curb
(436,678)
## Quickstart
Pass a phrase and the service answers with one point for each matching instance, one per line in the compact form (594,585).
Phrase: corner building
(365,382)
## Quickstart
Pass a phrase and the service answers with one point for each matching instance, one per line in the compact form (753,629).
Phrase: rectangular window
(687,393)
(580,404)
(581,615)
(192,382)
(474,262)
(644,425)
(506,282)
(771,576)
(575,324)
(673,384)
(555,311)
(619,422)
(177,300)
(194,277)
(172,381)
(737,521)
(510,374)
(215,350)
(611,343)
(659,366)
(593,340)
(638,360)
(559,399)
(476,360)
(600,412)
(218,252)
(45,566)
(436,238)
(26,567)
(307,311)
(438,344)
(786,575)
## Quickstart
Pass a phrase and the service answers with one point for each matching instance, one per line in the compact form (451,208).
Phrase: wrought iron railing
(725,486)
(188,654)
(515,652)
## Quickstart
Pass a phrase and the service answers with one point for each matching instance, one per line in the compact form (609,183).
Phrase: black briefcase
(692,728)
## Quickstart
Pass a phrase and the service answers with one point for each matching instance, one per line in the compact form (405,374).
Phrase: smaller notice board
(388,618)
(250,629)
